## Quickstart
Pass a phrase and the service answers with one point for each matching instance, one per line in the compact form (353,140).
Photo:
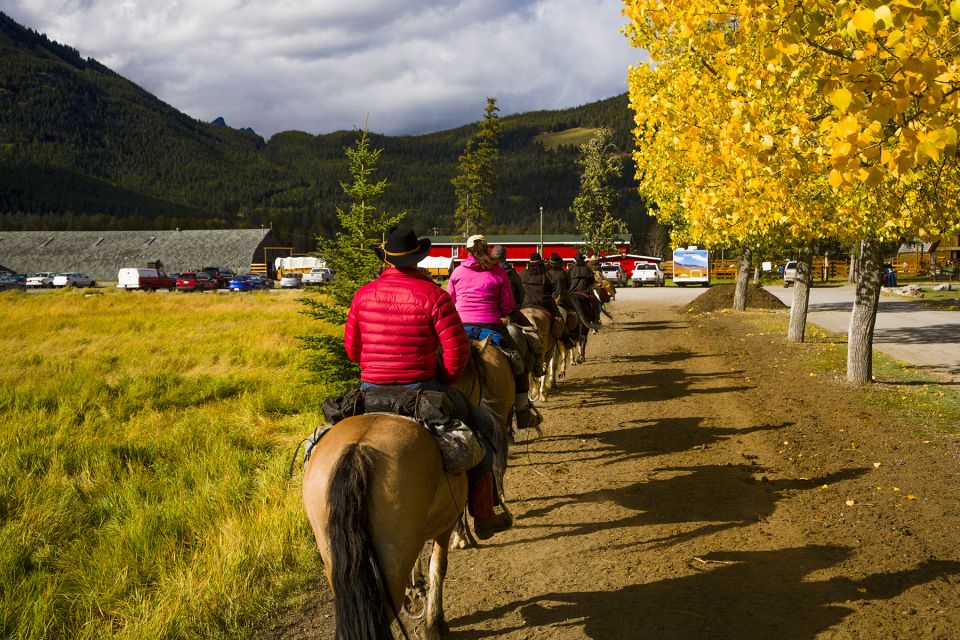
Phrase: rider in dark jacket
(537,288)
(582,292)
(560,280)
(516,284)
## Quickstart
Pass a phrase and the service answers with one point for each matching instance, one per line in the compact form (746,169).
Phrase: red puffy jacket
(395,326)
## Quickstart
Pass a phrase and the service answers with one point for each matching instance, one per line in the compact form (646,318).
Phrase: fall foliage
(763,122)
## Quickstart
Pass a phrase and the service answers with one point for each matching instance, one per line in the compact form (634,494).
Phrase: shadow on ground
(752,595)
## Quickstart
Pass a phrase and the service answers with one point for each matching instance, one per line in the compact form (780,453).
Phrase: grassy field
(924,402)
(143,463)
(571,137)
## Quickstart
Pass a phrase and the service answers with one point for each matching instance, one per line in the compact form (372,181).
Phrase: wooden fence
(906,264)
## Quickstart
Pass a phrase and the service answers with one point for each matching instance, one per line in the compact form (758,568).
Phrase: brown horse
(375,491)
(543,321)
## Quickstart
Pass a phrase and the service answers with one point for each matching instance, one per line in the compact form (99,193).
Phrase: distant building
(519,247)
(101,254)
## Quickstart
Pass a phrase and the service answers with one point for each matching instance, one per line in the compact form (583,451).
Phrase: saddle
(459,446)
(482,333)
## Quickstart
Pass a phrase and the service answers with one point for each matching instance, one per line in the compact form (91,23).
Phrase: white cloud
(413,66)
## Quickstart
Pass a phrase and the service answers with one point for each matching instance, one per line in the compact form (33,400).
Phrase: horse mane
(356,575)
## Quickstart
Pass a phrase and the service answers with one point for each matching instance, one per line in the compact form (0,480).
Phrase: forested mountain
(83,148)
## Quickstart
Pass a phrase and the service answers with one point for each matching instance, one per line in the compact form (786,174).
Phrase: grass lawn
(143,463)
(925,402)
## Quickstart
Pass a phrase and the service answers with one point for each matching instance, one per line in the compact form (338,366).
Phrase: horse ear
(483,344)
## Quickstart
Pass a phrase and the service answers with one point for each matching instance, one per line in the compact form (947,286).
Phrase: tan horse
(543,321)
(375,491)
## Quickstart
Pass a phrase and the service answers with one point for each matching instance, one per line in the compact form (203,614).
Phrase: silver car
(74,279)
(291,280)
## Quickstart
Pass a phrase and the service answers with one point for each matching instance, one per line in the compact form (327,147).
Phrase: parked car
(291,280)
(149,279)
(647,274)
(74,279)
(789,273)
(195,281)
(249,282)
(222,275)
(613,273)
(10,281)
(318,275)
(42,280)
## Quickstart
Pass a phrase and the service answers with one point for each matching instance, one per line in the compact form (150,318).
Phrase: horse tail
(578,305)
(360,597)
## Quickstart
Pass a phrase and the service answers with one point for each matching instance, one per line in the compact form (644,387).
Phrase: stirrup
(536,419)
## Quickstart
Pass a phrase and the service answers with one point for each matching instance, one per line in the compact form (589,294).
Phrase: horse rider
(582,291)
(516,286)
(481,291)
(396,326)
(560,280)
(539,292)
(603,286)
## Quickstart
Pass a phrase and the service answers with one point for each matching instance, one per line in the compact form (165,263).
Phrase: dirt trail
(694,483)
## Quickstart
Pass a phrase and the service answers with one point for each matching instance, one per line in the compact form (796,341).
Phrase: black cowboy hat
(535,258)
(580,258)
(402,248)
(555,258)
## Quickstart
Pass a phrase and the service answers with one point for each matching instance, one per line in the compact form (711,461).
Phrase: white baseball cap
(472,239)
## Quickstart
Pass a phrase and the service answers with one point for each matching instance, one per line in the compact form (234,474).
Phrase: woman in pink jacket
(481,292)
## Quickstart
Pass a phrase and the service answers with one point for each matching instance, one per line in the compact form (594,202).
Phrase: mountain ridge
(80,145)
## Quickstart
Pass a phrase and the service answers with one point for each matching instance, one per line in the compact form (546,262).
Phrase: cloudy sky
(409,66)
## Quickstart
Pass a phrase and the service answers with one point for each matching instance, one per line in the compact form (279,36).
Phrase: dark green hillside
(83,148)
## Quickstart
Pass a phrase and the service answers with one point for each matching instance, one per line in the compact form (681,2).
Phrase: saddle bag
(459,446)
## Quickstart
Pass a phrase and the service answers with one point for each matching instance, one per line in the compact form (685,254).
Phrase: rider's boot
(516,360)
(522,405)
(485,521)
(527,416)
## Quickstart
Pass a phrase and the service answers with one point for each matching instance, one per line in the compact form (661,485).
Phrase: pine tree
(593,204)
(476,179)
(350,255)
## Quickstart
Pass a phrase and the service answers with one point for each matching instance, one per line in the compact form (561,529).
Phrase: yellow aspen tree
(806,117)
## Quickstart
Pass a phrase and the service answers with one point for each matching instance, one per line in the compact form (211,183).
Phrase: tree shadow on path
(713,497)
(654,437)
(748,595)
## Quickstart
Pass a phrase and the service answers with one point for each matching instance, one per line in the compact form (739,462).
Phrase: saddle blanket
(479,333)
(459,446)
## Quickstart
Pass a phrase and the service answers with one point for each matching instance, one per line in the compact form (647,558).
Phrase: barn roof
(101,254)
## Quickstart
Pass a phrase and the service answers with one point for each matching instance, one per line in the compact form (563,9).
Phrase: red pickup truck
(145,279)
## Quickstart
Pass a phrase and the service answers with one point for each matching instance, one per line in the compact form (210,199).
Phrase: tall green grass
(144,447)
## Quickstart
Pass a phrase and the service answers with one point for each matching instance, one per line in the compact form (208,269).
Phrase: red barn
(519,247)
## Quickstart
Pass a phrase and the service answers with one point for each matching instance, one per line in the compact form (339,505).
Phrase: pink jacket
(481,296)
(398,323)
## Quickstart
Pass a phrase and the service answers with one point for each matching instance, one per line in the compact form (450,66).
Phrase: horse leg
(462,536)
(435,627)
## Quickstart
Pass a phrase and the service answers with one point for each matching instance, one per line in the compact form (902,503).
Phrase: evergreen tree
(476,179)
(350,255)
(593,204)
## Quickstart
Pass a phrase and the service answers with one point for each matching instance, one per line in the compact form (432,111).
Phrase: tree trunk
(801,296)
(864,316)
(756,274)
(826,266)
(743,279)
(852,274)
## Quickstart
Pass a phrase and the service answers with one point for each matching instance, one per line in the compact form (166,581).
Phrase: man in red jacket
(396,326)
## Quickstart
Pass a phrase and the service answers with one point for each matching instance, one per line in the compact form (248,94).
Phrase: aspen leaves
(798,118)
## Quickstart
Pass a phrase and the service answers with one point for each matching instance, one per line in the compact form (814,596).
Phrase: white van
(146,279)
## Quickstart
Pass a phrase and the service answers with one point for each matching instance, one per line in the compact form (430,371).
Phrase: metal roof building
(101,254)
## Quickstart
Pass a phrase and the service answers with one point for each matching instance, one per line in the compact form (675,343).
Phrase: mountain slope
(82,147)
